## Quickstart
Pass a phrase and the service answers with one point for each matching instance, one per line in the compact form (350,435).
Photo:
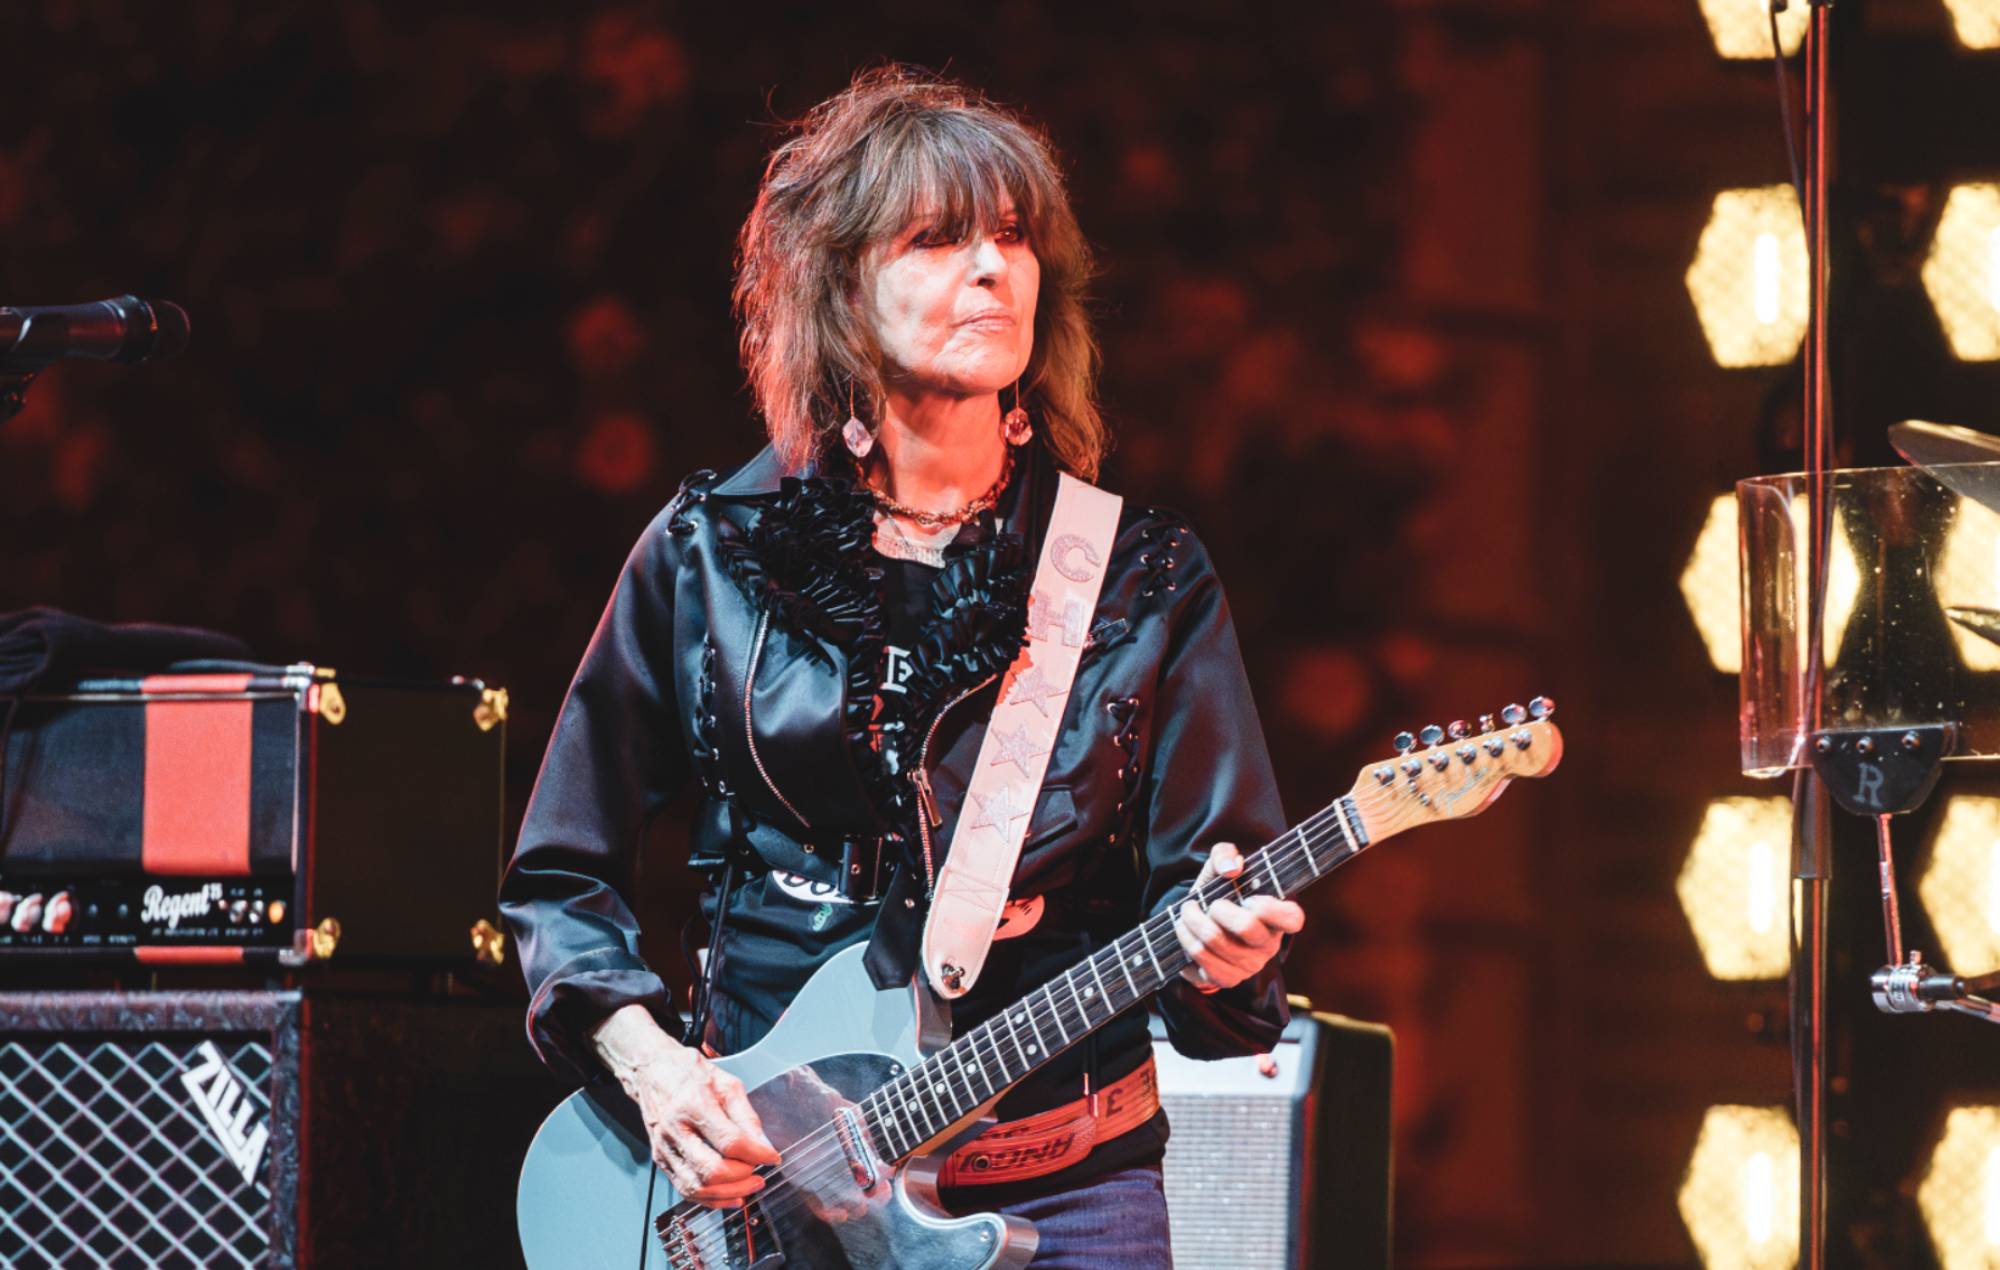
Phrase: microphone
(125,329)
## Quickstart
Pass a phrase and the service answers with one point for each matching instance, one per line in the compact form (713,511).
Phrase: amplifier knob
(7,899)
(60,911)
(274,912)
(28,914)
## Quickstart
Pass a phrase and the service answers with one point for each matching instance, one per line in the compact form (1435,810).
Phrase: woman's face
(956,318)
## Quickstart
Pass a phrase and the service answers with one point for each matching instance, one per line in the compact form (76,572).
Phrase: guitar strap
(1014,755)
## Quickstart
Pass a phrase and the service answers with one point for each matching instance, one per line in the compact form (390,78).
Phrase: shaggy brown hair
(896,143)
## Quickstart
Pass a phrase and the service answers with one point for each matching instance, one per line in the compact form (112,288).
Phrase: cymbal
(1943,448)
(1984,623)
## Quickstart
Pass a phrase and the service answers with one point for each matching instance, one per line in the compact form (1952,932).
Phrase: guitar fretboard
(910,1110)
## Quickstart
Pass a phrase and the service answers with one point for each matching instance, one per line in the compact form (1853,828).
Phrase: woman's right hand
(699,1121)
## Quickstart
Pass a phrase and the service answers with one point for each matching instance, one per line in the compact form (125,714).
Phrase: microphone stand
(1812,814)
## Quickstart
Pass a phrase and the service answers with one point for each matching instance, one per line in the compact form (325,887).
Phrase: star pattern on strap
(999,811)
(1016,747)
(1033,688)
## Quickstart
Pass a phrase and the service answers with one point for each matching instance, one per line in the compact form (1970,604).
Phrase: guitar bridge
(677,1239)
(697,1238)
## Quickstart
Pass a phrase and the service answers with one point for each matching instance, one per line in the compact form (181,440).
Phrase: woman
(814,639)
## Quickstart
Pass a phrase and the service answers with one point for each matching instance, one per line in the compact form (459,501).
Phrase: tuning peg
(1458,729)
(1495,746)
(1405,743)
(1486,723)
(1542,707)
(1431,734)
(1513,715)
(1468,754)
(1522,739)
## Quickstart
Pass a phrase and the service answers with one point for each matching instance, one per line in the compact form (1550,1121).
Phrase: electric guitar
(864,1092)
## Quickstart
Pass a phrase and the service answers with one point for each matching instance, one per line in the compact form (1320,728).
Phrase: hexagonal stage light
(1713,594)
(1709,585)
(1742,28)
(1960,888)
(1960,1193)
(1736,888)
(1749,277)
(1740,1199)
(1968,573)
(1976,21)
(1962,272)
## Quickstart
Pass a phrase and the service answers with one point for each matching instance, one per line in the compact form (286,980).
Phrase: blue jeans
(1117,1222)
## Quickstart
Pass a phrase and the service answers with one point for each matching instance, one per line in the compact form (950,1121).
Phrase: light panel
(1740,1199)
(1742,28)
(1960,888)
(1749,277)
(1962,272)
(1976,21)
(1711,588)
(1735,888)
(1960,1193)
(1968,573)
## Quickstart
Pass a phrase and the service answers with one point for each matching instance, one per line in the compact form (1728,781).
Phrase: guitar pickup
(860,1160)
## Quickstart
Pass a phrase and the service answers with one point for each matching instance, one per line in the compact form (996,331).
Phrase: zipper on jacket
(750,727)
(928,817)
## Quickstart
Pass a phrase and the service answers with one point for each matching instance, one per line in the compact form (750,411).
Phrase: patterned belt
(1037,1145)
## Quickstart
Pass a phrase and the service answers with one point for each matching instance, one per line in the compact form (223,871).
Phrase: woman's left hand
(1232,941)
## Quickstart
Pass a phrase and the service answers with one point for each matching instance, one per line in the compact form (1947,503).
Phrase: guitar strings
(811,1165)
(823,1146)
(776,1199)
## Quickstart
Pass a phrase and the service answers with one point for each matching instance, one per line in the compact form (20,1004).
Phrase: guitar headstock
(1449,773)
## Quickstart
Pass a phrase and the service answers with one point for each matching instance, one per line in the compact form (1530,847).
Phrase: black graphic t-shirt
(906,604)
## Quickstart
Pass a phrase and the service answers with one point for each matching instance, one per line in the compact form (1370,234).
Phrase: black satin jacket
(738,659)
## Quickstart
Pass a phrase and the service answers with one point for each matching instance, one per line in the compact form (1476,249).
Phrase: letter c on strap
(1063,547)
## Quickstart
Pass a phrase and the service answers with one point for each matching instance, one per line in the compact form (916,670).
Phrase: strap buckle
(861,869)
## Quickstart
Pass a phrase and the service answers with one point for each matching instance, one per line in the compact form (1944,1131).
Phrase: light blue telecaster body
(592,1199)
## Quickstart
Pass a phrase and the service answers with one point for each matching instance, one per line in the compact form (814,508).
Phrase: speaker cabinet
(1282,1164)
(239,1129)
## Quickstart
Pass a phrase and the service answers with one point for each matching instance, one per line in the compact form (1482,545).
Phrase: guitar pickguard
(817,1214)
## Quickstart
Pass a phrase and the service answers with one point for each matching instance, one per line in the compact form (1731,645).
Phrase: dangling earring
(854,433)
(1015,426)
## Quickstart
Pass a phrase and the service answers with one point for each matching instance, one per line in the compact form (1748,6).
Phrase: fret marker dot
(1088,993)
(1031,1048)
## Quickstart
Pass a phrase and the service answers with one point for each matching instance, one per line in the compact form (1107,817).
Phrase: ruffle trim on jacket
(977,624)
(809,557)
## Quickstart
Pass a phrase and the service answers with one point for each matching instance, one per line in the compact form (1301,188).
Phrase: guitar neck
(922,1103)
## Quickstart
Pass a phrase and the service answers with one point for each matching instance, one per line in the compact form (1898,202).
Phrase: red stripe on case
(190,956)
(197,812)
